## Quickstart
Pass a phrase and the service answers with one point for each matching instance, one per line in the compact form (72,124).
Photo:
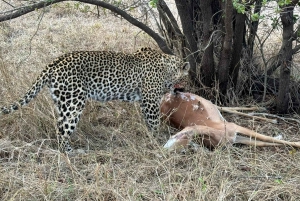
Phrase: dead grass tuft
(123,161)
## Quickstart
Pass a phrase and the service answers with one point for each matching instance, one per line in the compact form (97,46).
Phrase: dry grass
(124,161)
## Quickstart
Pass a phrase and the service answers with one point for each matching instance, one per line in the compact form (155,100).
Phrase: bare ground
(123,161)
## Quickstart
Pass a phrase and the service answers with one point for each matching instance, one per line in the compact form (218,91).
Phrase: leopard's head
(177,72)
(170,69)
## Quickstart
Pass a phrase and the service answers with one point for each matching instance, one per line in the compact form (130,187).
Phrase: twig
(274,121)
(8,3)
(275,116)
(40,17)
(254,108)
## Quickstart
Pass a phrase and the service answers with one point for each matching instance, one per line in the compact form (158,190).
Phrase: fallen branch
(224,109)
(254,108)
(285,119)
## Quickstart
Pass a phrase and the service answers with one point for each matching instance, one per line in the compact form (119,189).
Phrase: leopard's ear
(186,68)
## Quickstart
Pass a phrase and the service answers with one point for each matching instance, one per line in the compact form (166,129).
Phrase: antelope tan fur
(202,121)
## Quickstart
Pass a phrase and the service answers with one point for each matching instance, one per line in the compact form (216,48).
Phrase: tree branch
(8,15)
(170,29)
(296,49)
(166,9)
(27,9)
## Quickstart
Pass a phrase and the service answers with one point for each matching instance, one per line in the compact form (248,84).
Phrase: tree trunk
(239,33)
(184,11)
(286,17)
(207,62)
(223,67)
(254,27)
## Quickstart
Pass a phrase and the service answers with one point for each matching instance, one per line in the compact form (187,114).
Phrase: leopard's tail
(30,94)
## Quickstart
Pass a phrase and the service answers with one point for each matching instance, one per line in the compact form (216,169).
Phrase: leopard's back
(102,75)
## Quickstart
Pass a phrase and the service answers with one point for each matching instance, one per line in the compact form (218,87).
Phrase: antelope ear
(186,67)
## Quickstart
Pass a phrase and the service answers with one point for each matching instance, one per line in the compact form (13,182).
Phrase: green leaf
(203,183)
(255,17)
(264,2)
(284,2)
(240,7)
(153,3)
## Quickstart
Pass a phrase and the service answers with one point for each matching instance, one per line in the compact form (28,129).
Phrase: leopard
(76,77)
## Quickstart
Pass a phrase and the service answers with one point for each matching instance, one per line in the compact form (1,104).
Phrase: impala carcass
(202,121)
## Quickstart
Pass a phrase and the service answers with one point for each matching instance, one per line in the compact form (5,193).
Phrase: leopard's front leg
(150,106)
